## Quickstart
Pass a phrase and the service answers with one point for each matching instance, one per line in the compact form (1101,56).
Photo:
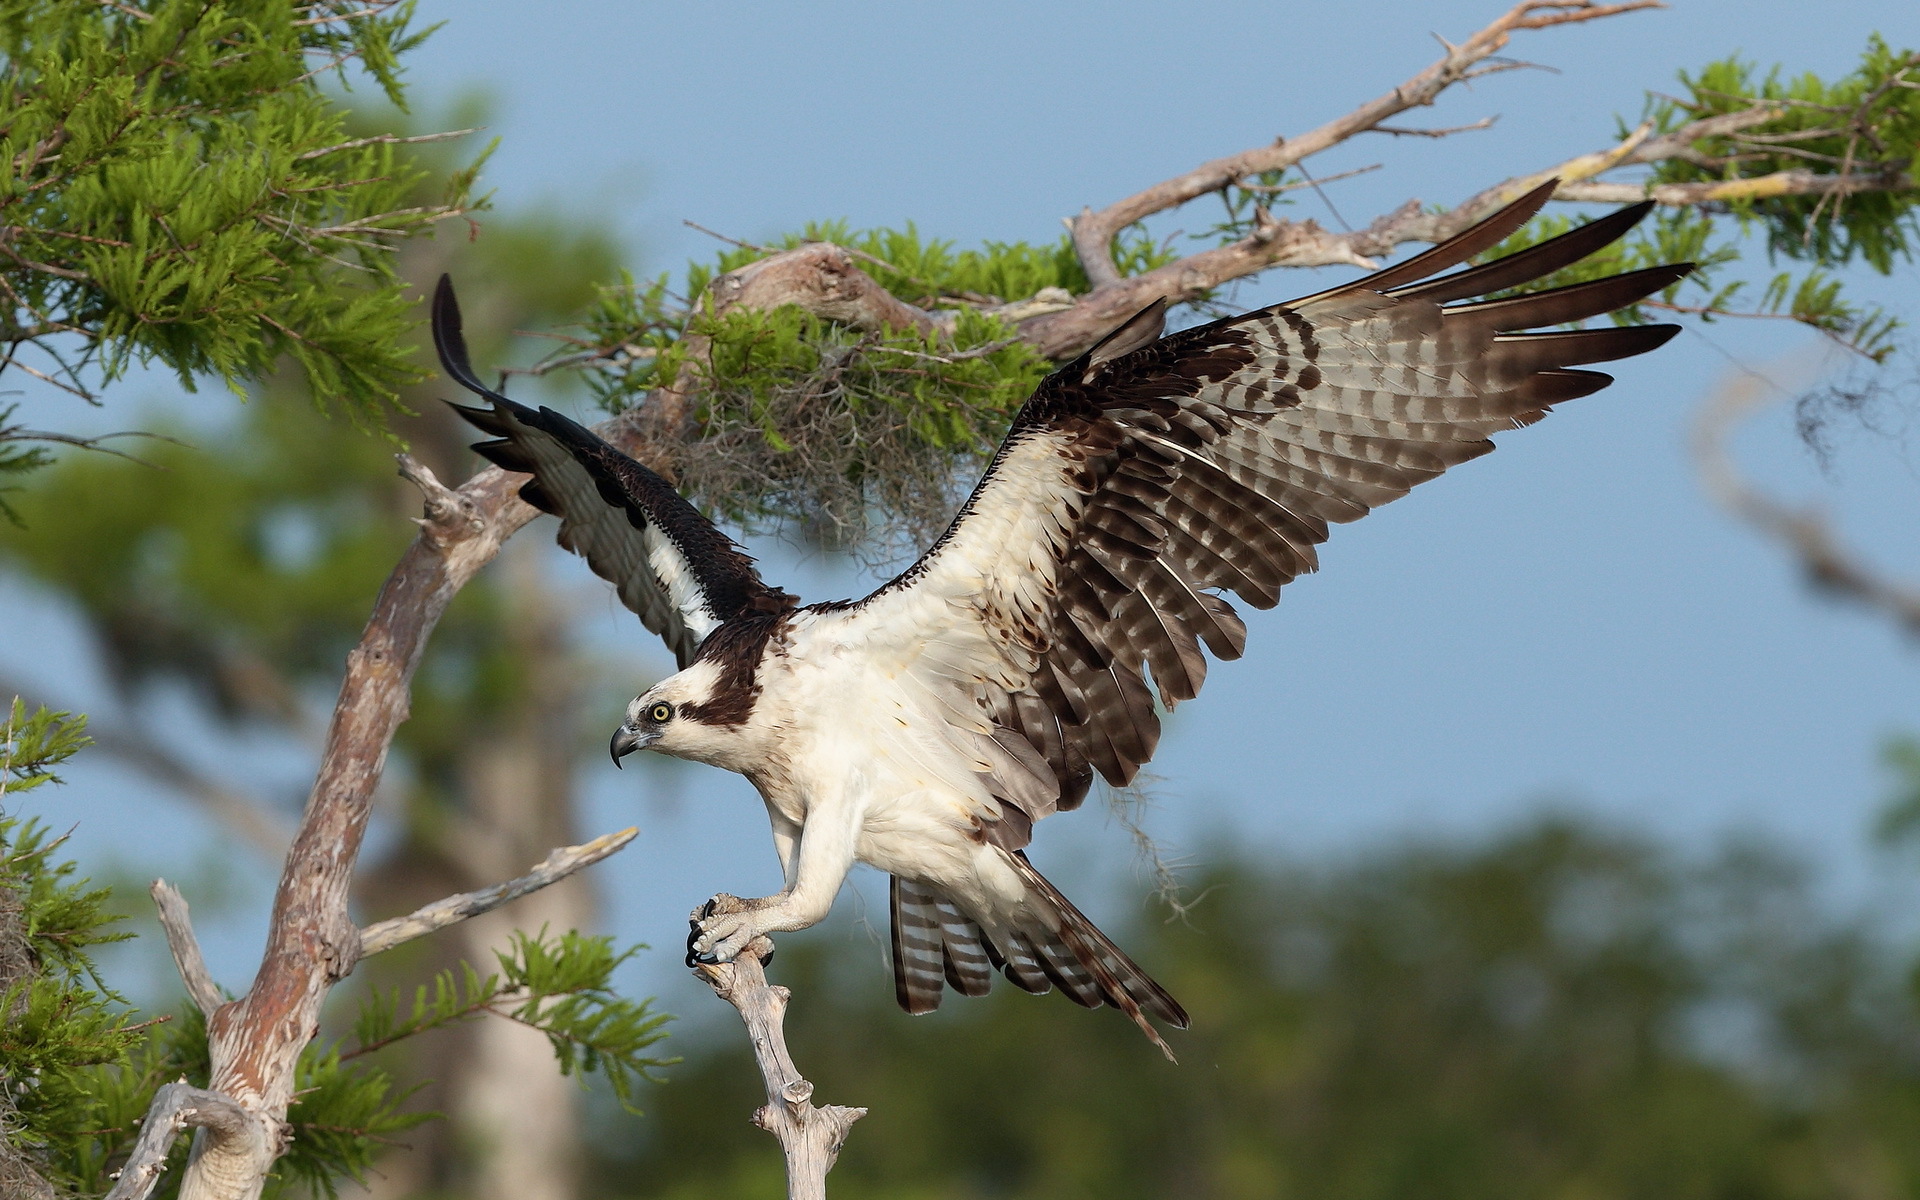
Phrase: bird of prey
(926,728)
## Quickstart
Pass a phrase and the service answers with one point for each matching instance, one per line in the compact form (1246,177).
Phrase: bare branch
(1759,187)
(177,923)
(1093,232)
(386,139)
(1449,131)
(1804,533)
(556,866)
(811,1137)
(176,1106)
(821,278)
(1274,242)
(254,1042)
(451,516)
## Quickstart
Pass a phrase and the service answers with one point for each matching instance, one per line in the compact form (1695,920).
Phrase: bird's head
(679,716)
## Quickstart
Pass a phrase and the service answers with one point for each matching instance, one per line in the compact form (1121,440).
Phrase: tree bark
(810,1137)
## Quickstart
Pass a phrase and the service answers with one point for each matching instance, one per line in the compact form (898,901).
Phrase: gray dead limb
(177,923)
(254,1042)
(177,1107)
(810,1137)
(442,913)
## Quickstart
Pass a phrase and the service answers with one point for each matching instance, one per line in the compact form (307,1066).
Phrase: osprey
(926,728)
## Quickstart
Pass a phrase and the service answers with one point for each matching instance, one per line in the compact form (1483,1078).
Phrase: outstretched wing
(1138,484)
(670,565)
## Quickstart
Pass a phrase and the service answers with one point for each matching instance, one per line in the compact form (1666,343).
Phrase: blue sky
(1566,623)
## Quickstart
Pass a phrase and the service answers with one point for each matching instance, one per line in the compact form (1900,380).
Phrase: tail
(934,943)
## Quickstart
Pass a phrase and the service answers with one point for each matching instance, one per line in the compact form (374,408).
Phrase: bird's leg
(786,843)
(815,871)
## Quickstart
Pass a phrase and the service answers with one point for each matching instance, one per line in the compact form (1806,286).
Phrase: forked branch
(254,1042)
(811,1137)
(1093,232)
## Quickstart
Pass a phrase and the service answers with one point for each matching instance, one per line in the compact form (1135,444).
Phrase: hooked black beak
(626,740)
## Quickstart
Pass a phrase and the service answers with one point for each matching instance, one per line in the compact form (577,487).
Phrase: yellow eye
(660,713)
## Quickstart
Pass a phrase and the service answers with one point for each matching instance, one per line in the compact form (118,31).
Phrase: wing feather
(669,564)
(1137,482)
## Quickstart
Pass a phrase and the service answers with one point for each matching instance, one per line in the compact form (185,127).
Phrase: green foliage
(179,190)
(1562,1012)
(33,745)
(803,419)
(1865,124)
(342,1119)
(561,986)
(57,1020)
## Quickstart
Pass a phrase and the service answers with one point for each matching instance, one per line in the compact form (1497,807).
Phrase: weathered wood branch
(176,1107)
(177,923)
(312,943)
(441,913)
(821,278)
(255,1041)
(1093,232)
(1758,187)
(1804,533)
(810,1137)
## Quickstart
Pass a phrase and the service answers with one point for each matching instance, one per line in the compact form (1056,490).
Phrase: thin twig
(1449,131)
(385,139)
(441,913)
(1274,189)
(753,246)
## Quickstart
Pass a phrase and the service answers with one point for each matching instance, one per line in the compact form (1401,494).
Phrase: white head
(689,715)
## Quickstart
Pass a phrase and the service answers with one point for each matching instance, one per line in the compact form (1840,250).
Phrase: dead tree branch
(176,1106)
(1093,232)
(1805,533)
(1760,187)
(177,923)
(811,1137)
(556,866)
(255,1041)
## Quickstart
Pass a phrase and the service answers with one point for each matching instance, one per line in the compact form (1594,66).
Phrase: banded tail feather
(937,945)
